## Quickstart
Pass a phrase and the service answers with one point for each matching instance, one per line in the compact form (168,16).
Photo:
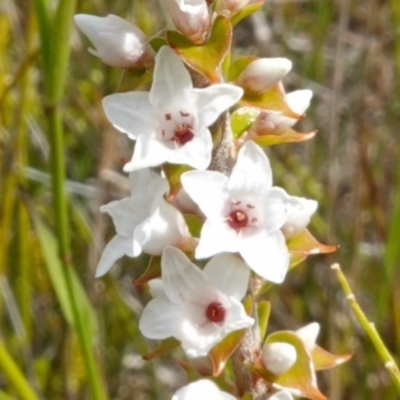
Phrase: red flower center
(238,219)
(215,312)
(183,134)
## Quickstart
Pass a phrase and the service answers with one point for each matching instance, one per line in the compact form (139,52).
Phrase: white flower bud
(299,100)
(227,8)
(191,18)
(260,75)
(278,357)
(117,43)
(308,334)
(299,211)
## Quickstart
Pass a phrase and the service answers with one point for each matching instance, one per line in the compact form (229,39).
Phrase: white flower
(201,390)
(261,74)
(274,122)
(145,221)
(191,18)
(118,43)
(278,357)
(170,123)
(244,213)
(197,307)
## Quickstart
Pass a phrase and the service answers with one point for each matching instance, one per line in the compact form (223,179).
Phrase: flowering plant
(202,188)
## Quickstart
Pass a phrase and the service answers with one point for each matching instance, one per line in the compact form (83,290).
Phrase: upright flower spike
(200,390)
(170,123)
(145,222)
(191,18)
(197,307)
(118,43)
(244,213)
(261,74)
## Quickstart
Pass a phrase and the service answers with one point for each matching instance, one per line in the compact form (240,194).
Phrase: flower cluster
(185,206)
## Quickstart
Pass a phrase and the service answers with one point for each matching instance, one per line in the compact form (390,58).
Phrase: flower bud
(299,100)
(117,43)
(191,18)
(261,74)
(299,211)
(227,8)
(278,357)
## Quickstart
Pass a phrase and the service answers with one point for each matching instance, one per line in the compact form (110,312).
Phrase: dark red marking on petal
(238,219)
(168,117)
(249,206)
(215,312)
(183,114)
(183,134)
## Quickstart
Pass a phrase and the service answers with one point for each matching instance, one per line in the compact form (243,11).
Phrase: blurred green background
(346,51)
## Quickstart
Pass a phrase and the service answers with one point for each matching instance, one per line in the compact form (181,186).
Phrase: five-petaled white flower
(197,307)
(244,213)
(170,123)
(118,43)
(145,221)
(200,390)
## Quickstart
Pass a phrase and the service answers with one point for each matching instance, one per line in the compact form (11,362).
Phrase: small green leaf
(242,119)
(263,311)
(157,42)
(194,224)
(322,359)
(173,173)
(290,136)
(238,66)
(306,243)
(207,58)
(246,11)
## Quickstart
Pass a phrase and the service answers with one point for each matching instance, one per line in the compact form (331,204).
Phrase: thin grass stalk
(14,376)
(55,67)
(369,328)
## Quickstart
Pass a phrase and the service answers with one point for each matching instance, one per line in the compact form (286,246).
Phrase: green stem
(55,59)
(369,328)
(14,376)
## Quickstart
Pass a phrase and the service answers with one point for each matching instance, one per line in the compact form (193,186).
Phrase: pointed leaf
(273,99)
(238,66)
(220,353)
(246,11)
(306,243)
(166,345)
(207,58)
(322,359)
(152,271)
(290,136)
(194,224)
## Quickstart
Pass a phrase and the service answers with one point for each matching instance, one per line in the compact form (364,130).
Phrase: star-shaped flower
(197,307)
(245,213)
(170,123)
(145,221)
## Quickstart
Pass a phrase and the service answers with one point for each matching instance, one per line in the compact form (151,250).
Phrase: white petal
(213,100)
(236,317)
(146,185)
(196,152)
(126,214)
(156,287)
(216,238)
(308,334)
(229,274)
(266,254)
(208,190)
(171,79)
(278,357)
(200,390)
(299,100)
(165,227)
(160,318)
(252,171)
(149,152)
(130,113)
(116,248)
(183,281)
(274,209)
(282,395)
(299,212)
